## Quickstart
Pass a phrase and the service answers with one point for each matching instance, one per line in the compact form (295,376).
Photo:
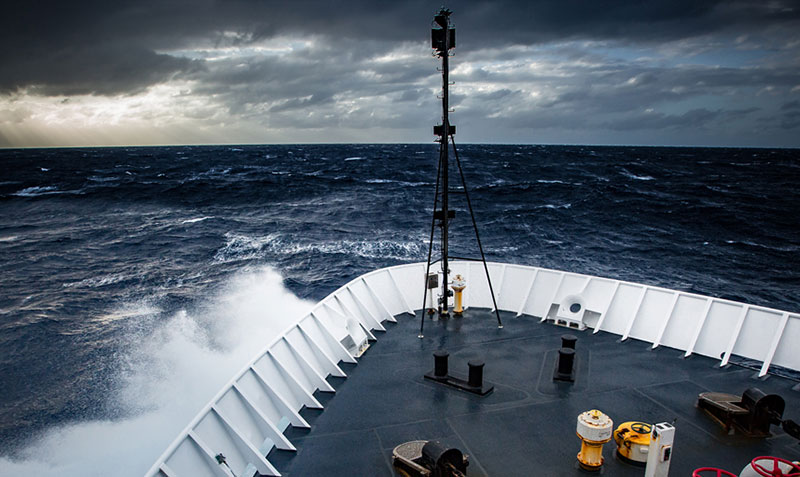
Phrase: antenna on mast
(443,39)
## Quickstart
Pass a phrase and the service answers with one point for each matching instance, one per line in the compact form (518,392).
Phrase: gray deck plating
(526,427)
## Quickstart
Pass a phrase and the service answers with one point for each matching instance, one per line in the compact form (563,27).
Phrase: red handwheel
(776,467)
(719,472)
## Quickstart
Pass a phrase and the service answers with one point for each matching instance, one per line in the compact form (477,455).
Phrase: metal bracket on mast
(443,39)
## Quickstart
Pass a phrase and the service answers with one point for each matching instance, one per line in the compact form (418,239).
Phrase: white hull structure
(246,419)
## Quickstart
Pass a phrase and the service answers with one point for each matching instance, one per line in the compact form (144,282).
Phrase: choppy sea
(135,281)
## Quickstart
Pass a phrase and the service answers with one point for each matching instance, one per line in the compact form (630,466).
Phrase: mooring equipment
(752,414)
(429,459)
(594,430)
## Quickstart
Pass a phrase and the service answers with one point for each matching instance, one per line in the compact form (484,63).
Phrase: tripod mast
(443,39)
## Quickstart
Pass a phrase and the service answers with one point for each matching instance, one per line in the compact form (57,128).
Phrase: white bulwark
(246,419)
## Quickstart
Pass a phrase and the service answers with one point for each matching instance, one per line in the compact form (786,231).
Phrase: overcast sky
(672,72)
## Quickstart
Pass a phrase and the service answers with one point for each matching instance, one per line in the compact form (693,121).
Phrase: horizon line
(248,144)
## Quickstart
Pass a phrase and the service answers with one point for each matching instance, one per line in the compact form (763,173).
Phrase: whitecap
(36,191)
(242,247)
(102,179)
(634,176)
(8,238)
(390,181)
(779,248)
(498,182)
(386,249)
(100,281)
(197,219)
(355,158)
(44,169)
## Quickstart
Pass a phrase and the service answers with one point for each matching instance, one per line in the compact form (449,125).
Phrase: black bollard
(565,365)
(568,341)
(475,378)
(440,363)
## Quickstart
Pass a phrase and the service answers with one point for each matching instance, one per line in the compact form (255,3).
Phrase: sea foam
(166,376)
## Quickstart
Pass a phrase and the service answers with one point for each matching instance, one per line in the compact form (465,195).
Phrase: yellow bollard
(458,286)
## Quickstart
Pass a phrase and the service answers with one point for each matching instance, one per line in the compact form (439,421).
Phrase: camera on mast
(443,38)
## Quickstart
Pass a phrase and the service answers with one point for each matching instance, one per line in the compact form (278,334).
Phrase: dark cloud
(724,67)
(694,119)
(105,69)
(111,47)
(790,120)
(790,105)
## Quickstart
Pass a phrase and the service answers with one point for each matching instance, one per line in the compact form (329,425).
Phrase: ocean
(135,281)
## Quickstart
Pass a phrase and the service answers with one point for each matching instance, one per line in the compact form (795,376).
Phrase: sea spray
(166,377)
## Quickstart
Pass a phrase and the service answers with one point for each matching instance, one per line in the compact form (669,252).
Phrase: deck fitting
(473,384)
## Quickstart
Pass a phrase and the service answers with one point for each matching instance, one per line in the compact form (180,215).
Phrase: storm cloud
(176,71)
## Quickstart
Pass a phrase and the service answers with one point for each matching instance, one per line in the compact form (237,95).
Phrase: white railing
(246,419)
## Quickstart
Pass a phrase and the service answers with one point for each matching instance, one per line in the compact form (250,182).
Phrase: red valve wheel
(720,472)
(776,469)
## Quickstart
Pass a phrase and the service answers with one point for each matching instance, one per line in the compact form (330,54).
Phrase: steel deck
(526,427)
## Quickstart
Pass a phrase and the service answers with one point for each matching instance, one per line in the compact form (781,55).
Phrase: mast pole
(445,39)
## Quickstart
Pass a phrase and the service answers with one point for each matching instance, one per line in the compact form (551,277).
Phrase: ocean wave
(355,158)
(126,312)
(776,248)
(566,205)
(213,173)
(37,191)
(9,238)
(197,219)
(101,281)
(631,175)
(242,247)
(551,181)
(392,181)
(387,249)
(102,179)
